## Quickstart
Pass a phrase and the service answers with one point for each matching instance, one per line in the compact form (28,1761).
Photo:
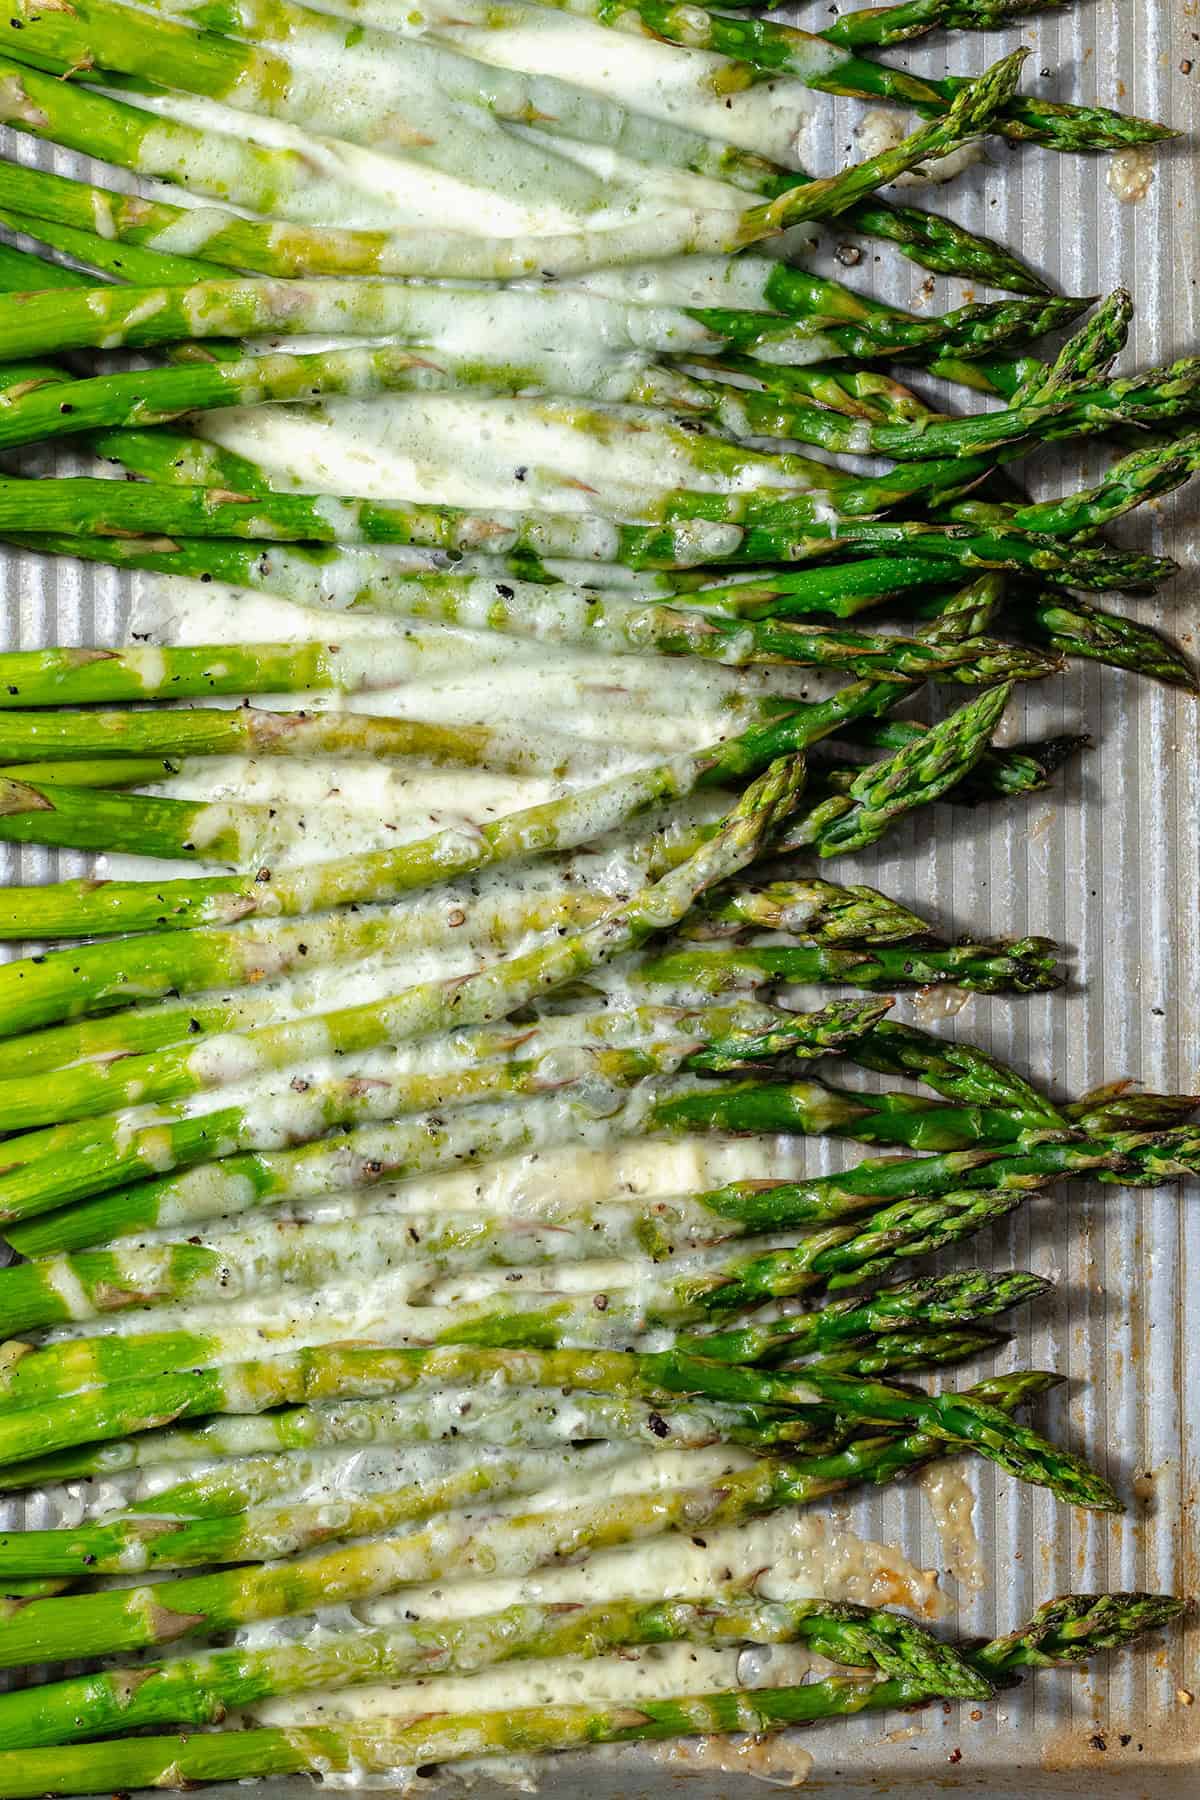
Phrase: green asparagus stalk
(145,738)
(271,84)
(606,1052)
(608,623)
(881,26)
(1143,475)
(228,240)
(490,993)
(122,262)
(139,399)
(138,1543)
(64,112)
(790,530)
(200,1523)
(96,1284)
(1086,357)
(69,676)
(810,910)
(912,776)
(45,1171)
(875,1459)
(682,1308)
(265,1446)
(47,1168)
(775,49)
(1025,967)
(239,835)
(511,333)
(907,1352)
(1061,126)
(261,177)
(1068,624)
(1067,1630)
(891,1313)
(201,1689)
(925,238)
(1127,1157)
(107,1151)
(1016,769)
(883,791)
(265,1456)
(348,577)
(1164,394)
(85,979)
(122,1619)
(202,1605)
(127,772)
(957,1070)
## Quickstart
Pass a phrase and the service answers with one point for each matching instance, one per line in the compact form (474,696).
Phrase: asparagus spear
(107,1151)
(62,111)
(510,334)
(876,1459)
(556,107)
(36,1180)
(1066,623)
(345,577)
(959,1071)
(925,238)
(66,406)
(760,283)
(123,262)
(303,1445)
(606,1052)
(137,1368)
(1086,357)
(147,737)
(1164,394)
(1067,1630)
(907,779)
(487,994)
(884,25)
(540,1418)
(240,835)
(1129,1157)
(1028,966)
(92,1285)
(456,140)
(696,625)
(86,978)
(1017,769)
(138,1542)
(114,772)
(1141,476)
(200,1689)
(791,530)
(110,1621)
(221,1521)
(297,249)
(777,50)
(68,676)
(47,1168)
(882,791)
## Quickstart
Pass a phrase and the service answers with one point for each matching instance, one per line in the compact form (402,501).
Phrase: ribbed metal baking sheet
(1107,861)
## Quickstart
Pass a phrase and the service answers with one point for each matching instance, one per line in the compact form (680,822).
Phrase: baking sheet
(1107,862)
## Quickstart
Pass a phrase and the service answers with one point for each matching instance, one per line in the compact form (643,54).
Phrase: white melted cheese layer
(788,1555)
(665,81)
(462,450)
(363,187)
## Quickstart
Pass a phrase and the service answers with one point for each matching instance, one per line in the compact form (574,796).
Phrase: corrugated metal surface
(1106,862)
